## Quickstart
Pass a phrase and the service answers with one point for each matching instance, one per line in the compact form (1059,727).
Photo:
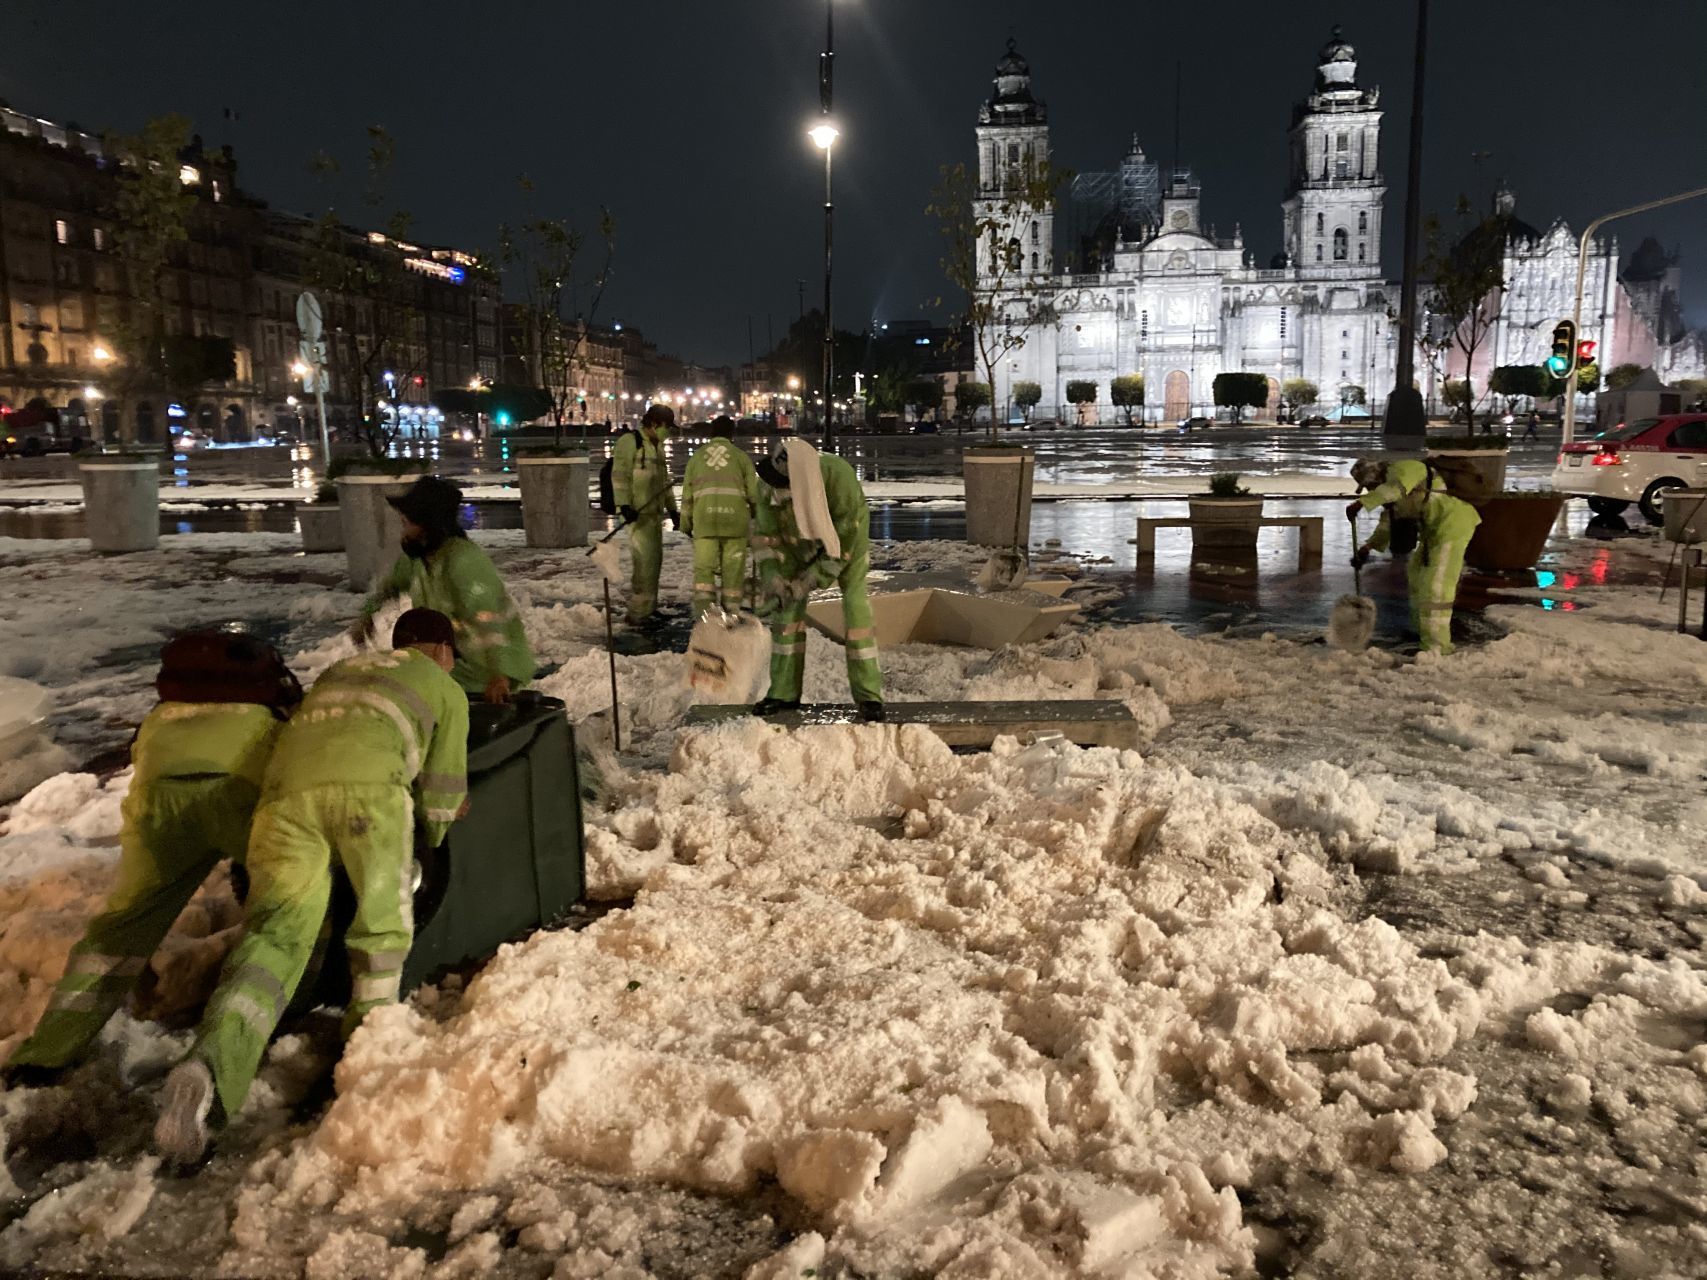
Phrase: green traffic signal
(501,418)
(1564,357)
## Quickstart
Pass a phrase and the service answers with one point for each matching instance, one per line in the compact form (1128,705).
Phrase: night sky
(687,118)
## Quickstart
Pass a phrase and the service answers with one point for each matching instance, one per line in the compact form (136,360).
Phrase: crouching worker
(440,569)
(814,529)
(379,747)
(1416,508)
(199,757)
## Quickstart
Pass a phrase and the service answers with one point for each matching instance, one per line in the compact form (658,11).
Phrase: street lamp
(102,354)
(824,135)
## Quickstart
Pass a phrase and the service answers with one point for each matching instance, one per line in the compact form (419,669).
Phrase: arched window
(1363,223)
(1342,244)
(1321,225)
(1034,233)
(1034,265)
(1318,251)
(1362,251)
(1342,168)
(1016,256)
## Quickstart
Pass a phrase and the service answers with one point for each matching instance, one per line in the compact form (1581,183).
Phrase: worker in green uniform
(441,569)
(377,753)
(1407,491)
(198,759)
(793,563)
(719,494)
(640,482)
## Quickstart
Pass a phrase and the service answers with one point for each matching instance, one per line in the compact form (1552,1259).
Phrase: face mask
(416,548)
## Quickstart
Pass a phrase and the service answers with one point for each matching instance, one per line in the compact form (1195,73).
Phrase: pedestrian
(375,759)
(1414,497)
(1531,426)
(441,569)
(640,481)
(198,759)
(719,494)
(813,528)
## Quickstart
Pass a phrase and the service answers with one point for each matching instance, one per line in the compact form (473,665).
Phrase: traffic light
(1563,359)
(501,418)
(1585,352)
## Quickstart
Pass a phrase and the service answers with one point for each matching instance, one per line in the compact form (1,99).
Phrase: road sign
(308,316)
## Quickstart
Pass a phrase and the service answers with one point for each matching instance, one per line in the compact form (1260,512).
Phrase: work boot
(186,1105)
(770,706)
(871,712)
(29,1075)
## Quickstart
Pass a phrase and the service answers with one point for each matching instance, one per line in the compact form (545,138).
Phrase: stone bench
(1088,723)
(1309,534)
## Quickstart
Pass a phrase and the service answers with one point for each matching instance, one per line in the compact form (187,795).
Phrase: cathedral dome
(1336,65)
(1012,64)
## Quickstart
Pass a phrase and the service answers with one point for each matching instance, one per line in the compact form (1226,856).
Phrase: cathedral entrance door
(1176,396)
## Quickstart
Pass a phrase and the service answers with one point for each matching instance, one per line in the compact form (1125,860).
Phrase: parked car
(1196,424)
(1314,420)
(924,428)
(1636,462)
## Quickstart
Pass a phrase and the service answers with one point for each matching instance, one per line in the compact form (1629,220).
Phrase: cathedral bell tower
(1332,212)
(1013,145)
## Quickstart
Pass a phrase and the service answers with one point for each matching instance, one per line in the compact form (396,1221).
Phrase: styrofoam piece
(933,615)
(1086,722)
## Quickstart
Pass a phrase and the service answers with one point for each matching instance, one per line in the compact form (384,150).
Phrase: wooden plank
(1088,722)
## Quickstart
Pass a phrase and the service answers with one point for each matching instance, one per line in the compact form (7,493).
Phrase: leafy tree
(800,351)
(924,395)
(1127,393)
(1622,375)
(969,397)
(886,389)
(188,362)
(1694,390)
(984,259)
(1240,391)
(1354,395)
(1468,278)
(152,208)
(1456,393)
(542,254)
(1081,391)
(1026,396)
(1300,393)
(1514,380)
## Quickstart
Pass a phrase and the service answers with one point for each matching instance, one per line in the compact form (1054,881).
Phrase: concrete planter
(1490,462)
(1513,532)
(373,531)
(1686,515)
(555,508)
(1225,523)
(322,526)
(121,504)
(998,496)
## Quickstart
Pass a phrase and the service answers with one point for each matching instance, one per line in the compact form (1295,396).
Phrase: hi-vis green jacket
(639,472)
(389,719)
(719,491)
(203,739)
(782,552)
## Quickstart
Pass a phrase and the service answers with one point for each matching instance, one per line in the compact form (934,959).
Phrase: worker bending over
(440,569)
(719,494)
(377,753)
(1411,495)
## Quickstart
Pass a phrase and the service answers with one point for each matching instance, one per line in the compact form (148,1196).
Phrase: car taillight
(1607,459)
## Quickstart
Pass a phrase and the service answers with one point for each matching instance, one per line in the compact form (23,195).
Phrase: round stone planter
(322,526)
(1490,462)
(373,531)
(1513,532)
(1686,515)
(998,496)
(555,509)
(1225,523)
(121,504)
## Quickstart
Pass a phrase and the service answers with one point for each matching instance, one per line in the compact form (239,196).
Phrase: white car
(1636,462)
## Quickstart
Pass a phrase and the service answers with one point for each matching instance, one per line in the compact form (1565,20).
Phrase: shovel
(1352,623)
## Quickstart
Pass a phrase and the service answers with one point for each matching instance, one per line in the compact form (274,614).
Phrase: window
(62,231)
(1034,233)
(1362,224)
(1341,244)
(1345,355)
(1143,324)
(1283,324)
(1318,251)
(71,354)
(1034,266)
(1345,333)
(1362,252)
(100,235)
(1013,153)
(1691,435)
(1343,142)
(1342,168)
(65,270)
(1321,225)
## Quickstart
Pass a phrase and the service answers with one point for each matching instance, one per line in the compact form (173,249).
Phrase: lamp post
(1405,423)
(824,134)
(1570,421)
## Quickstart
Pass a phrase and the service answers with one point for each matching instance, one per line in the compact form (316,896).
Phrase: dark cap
(773,470)
(423,626)
(722,425)
(660,415)
(431,502)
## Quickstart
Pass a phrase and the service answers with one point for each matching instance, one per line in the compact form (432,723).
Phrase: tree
(969,397)
(1456,393)
(1240,391)
(1354,395)
(1468,277)
(542,254)
(1694,391)
(924,395)
(1622,375)
(800,351)
(188,362)
(1300,393)
(984,259)
(1127,393)
(1081,391)
(1515,380)
(151,210)
(1026,396)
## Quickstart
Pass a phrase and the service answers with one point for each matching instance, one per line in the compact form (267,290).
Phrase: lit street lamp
(824,135)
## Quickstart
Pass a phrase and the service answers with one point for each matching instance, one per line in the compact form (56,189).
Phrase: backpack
(607,486)
(1463,479)
(217,665)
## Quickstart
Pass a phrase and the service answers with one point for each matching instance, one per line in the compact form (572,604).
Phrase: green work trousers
(646,547)
(719,573)
(370,830)
(1433,572)
(788,641)
(176,830)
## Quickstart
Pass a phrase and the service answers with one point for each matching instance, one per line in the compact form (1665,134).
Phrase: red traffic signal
(1585,352)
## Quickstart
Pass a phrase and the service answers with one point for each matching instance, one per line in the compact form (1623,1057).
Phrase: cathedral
(1148,287)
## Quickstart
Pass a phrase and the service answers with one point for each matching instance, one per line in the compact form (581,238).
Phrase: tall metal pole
(1570,423)
(1406,424)
(826,89)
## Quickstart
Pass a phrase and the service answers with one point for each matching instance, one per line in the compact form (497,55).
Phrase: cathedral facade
(1148,287)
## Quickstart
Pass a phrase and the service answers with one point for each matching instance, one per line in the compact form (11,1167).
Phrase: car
(1636,462)
(1196,424)
(1314,420)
